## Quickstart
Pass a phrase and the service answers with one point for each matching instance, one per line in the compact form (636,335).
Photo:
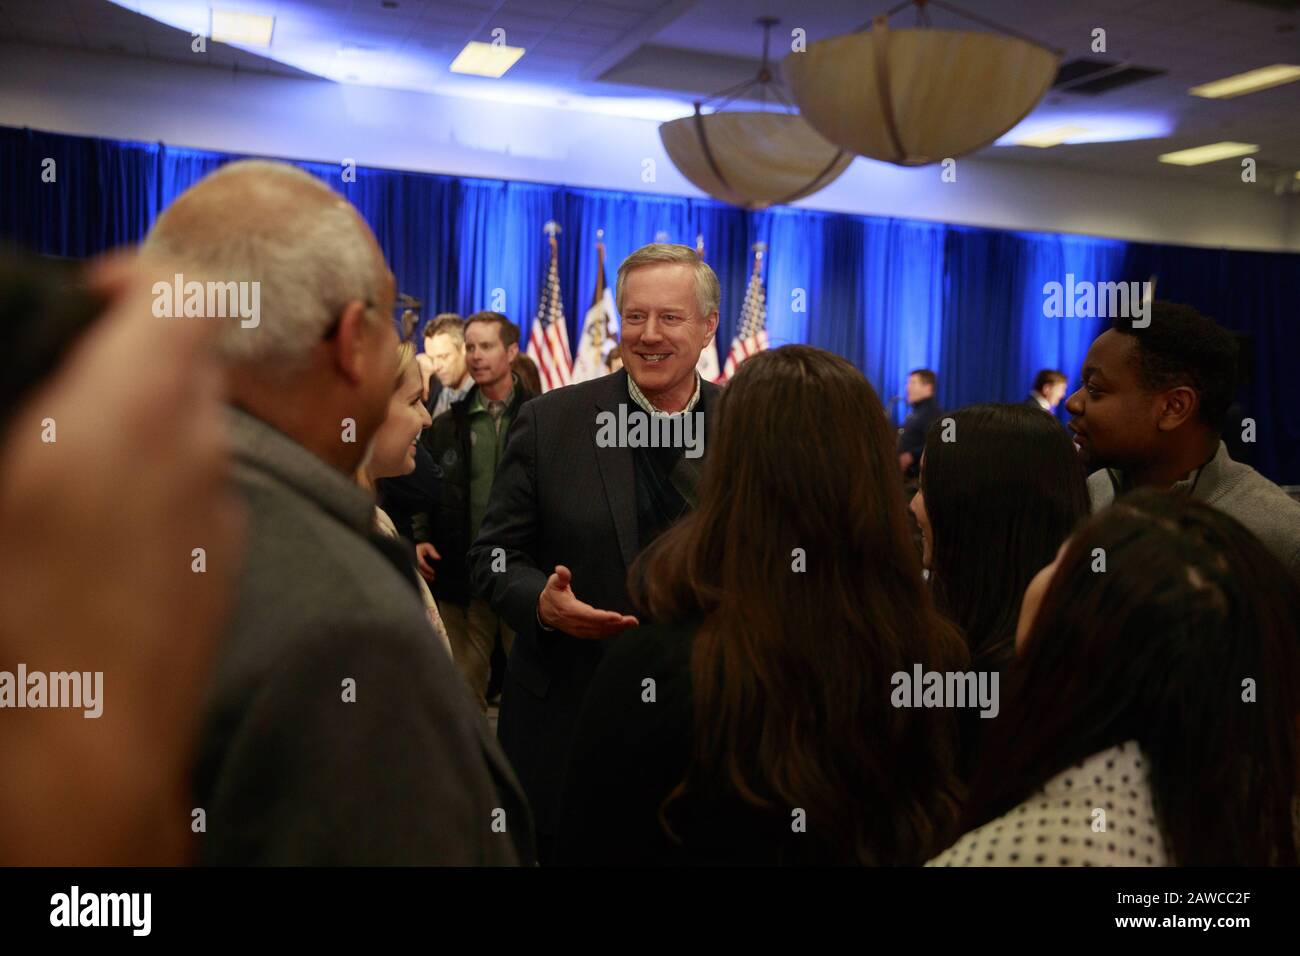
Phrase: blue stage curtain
(74,196)
(889,295)
(1255,293)
(996,336)
(901,291)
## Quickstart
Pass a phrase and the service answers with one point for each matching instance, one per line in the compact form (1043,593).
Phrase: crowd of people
(306,541)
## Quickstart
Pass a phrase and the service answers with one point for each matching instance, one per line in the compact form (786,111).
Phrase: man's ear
(513,351)
(348,344)
(1177,405)
(712,323)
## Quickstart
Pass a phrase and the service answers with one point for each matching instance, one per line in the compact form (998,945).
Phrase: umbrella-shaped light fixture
(918,96)
(753,159)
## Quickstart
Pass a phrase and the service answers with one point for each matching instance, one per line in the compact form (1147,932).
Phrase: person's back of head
(1166,622)
(44,308)
(798,562)
(998,500)
(320,346)
(526,369)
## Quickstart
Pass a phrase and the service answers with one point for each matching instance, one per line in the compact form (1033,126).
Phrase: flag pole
(552,229)
(600,266)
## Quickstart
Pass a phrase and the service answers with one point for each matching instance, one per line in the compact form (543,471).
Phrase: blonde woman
(392,453)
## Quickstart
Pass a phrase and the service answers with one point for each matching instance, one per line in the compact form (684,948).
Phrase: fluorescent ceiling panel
(1249,82)
(1207,154)
(244,29)
(486,59)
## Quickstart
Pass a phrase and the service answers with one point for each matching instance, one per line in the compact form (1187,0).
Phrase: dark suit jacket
(558,499)
(911,437)
(288,771)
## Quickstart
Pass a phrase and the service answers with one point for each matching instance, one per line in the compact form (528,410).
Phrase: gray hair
(707,290)
(310,255)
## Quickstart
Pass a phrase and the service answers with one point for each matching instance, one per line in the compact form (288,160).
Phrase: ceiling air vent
(1098,76)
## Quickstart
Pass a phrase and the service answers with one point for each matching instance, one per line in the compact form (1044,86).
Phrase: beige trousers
(473,631)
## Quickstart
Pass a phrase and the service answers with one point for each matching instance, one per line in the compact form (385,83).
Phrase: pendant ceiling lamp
(753,159)
(918,96)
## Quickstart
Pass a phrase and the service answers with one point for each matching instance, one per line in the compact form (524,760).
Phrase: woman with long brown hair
(753,723)
(1151,717)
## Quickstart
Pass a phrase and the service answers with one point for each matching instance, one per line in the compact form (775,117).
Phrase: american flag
(548,342)
(752,335)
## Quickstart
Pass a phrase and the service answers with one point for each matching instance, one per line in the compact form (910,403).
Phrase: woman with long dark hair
(1151,717)
(754,723)
(1001,488)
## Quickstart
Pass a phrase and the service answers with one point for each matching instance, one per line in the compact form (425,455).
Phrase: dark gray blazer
(287,771)
(558,499)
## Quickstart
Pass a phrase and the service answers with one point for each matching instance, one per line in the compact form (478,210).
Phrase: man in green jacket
(467,443)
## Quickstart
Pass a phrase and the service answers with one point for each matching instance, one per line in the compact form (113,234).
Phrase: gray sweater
(291,772)
(1235,489)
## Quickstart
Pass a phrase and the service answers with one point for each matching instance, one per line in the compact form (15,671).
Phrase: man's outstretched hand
(559,608)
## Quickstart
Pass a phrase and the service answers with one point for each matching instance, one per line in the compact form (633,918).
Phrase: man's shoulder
(1256,501)
(578,397)
(305,565)
(315,595)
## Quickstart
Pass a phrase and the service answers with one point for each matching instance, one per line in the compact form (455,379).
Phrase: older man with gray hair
(336,731)
(576,498)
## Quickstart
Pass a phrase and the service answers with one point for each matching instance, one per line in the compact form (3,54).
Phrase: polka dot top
(1096,813)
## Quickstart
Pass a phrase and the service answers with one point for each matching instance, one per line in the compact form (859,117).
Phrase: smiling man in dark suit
(577,498)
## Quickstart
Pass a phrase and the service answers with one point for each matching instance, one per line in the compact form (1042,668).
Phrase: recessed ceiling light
(1207,154)
(1250,82)
(246,29)
(486,59)
(1054,136)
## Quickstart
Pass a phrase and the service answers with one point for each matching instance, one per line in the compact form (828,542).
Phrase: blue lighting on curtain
(890,295)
